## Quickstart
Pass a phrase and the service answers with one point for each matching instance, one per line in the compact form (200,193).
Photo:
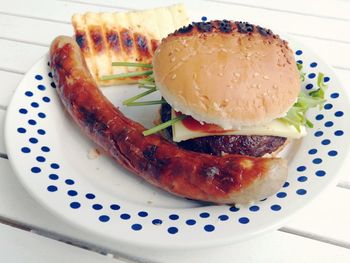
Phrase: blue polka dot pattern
(125,216)
(45,149)
(309,86)
(302,178)
(204,215)
(136,227)
(286,184)
(21,130)
(28,93)
(209,228)
(36,170)
(72,193)
(318,133)
(338,133)
(301,168)
(276,207)
(338,114)
(41,131)
(317,160)
(329,124)
(311,75)
(25,150)
(298,52)
(41,87)
(313,65)
(326,79)
(97,206)
(31,122)
(40,159)
(174,217)
(75,205)
(172,230)
(38,77)
(190,222)
(281,195)
(319,117)
(332,153)
(54,166)
(243,220)
(33,140)
(104,218)
(142,214)
(52,188)
(335,95)
(69,181)
(301,191)
(41,115)
(320,173)
(34,104)
(328,106)
(254,208)
(46,99)
(23,111)
(234,209)
(204,18)
(312,151)
(157,222)
(90,196)
(326,141)
(115,207)
(53,176)
(223,217)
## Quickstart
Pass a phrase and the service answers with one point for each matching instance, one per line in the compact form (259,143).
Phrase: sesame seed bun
(232,74)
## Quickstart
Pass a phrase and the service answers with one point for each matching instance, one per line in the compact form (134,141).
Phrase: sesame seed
(173,76)
(237,74)
(173,59)
(256,74)
(221,74)
(266,77)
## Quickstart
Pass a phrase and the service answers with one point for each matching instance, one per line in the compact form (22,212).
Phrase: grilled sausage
(226,179)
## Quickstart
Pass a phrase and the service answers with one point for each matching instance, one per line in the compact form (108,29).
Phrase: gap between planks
(316,237)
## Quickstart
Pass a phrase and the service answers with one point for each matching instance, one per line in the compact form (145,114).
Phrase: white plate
(53,160)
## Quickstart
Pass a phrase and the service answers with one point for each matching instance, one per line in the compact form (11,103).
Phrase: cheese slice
(274,128)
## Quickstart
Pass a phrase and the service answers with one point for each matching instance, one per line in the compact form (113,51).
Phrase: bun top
(228,73)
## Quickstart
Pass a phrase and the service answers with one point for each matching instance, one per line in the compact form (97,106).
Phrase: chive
(128,75)
(163,125)
(146,82)
(147,86)
(138,96)
(132,64)
(145,103)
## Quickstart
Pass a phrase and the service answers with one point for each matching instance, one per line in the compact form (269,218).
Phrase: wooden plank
(63,10)
(19,57)
(286,22)
(22,246)
(21,29)
(328,216)
(9,82)
(321,8)
(2,141)
(16,27)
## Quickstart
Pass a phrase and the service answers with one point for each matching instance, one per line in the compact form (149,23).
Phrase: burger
(234,82)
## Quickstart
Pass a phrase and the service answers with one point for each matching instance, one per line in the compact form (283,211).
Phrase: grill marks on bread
(131,37)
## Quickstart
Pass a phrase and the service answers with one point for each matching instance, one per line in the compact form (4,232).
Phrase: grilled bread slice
(128,37)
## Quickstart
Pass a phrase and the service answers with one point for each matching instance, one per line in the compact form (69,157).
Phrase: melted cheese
(274,128)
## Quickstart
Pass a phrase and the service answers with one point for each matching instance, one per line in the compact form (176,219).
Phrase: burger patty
(251,145)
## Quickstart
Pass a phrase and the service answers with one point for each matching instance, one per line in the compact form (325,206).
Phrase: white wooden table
(29,233)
